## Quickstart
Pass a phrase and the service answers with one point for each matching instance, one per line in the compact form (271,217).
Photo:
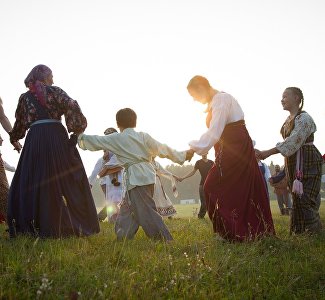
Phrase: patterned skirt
(305,216)
(4,189)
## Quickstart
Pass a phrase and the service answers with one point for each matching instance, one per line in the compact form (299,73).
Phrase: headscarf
(35,82)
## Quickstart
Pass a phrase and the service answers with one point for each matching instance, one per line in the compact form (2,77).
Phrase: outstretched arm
(188,175)
(3,118)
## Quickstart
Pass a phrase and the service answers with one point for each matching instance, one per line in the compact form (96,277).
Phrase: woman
(163,204)
(303,162)
(49,194)
(236,196)
(111,177)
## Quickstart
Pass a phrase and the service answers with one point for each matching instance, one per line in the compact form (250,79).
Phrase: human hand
(262,154)
(178,179)
(189,154)
(17,146)
(270,180)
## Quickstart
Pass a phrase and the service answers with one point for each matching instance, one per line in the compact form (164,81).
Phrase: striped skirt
(305,215)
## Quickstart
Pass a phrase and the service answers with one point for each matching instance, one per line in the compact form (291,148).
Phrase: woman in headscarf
(49,194)
(236,196)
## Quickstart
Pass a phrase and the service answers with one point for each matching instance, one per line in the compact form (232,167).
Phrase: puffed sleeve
(21,125)
(74,118)
(304,127)
(220,106)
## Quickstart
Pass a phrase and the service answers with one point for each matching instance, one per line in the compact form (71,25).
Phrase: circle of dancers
(50,194)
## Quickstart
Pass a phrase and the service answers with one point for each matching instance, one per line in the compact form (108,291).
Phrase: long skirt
(163,204)
(236,197)
(4,188)
(305,209)
(50,194)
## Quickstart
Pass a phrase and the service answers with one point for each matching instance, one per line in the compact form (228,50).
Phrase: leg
(146,214)
(126,226)
(280,199)
(203,208)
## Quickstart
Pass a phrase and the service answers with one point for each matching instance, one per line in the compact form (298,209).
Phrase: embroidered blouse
(224,109)
(304,127)
(58,103)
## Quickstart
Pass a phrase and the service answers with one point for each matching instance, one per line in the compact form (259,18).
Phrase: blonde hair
(198,81)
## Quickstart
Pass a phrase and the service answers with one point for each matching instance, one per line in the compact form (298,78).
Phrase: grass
(194,266)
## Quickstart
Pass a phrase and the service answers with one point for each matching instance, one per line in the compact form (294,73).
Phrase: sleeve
(279,177)
(96,170)
(113,162)
(196,166)
(220,111)
(74,118)
(8,167)
(267,174)
(20,127)
(164,151)
(304,127)
(96,142)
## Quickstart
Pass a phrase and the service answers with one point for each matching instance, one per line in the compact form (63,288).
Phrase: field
(194,266)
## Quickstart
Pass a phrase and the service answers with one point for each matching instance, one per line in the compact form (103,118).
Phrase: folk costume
(236,196)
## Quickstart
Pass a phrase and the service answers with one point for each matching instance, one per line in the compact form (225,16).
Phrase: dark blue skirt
(50,195)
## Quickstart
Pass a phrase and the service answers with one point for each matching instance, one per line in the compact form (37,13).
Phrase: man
(281,190)
(136,151)
(203,165)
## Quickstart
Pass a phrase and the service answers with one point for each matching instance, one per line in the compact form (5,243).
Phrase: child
(135,151)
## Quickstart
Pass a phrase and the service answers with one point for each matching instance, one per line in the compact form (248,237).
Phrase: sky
(109,54)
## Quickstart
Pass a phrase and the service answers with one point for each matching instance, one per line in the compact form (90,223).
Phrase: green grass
(194,266)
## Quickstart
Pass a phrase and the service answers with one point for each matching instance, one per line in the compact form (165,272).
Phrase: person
(265,173)
(4,186)
(135,151)
(303,163)
(203,165)
(110,183)
(163,204)
(49,194)
(236,197)
(281,191)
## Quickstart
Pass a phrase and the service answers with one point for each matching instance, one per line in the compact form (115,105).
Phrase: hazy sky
(141,54)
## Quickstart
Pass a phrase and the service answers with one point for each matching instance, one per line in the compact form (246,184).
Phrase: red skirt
(236,196)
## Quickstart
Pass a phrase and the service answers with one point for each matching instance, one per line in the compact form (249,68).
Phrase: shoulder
(56,90)
(305,118)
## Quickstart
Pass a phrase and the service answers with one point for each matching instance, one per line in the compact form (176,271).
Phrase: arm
(278,178)
(95,172)
(189,174)
(164,151)
(3,119)
(220,110)
(75,120)
(95,142)
(8,167)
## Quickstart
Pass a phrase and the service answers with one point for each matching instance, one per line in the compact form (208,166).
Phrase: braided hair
(287,128)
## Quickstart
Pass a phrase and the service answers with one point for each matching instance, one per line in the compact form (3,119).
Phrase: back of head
(35,81)
(198,82)
(110,130)
(126,118)
(38,73)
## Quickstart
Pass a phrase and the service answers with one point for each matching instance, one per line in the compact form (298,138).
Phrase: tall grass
(194,266)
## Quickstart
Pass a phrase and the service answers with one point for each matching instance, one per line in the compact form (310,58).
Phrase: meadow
(194,266)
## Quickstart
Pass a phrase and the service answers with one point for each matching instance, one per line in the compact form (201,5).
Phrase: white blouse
(225,110)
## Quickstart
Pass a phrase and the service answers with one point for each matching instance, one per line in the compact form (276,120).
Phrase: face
(289,100)
(199,94)
(49,80)
(277,169)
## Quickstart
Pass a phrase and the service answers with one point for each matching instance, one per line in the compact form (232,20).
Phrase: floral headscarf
(35,82)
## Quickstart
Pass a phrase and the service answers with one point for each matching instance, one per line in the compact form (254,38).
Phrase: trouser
(284,203)
(203,207)
(139,209)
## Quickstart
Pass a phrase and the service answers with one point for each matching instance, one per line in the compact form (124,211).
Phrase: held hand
(17,146)
(270,180)
(264,154)
(189,154)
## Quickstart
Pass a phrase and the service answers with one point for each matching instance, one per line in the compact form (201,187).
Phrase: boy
(135,151)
